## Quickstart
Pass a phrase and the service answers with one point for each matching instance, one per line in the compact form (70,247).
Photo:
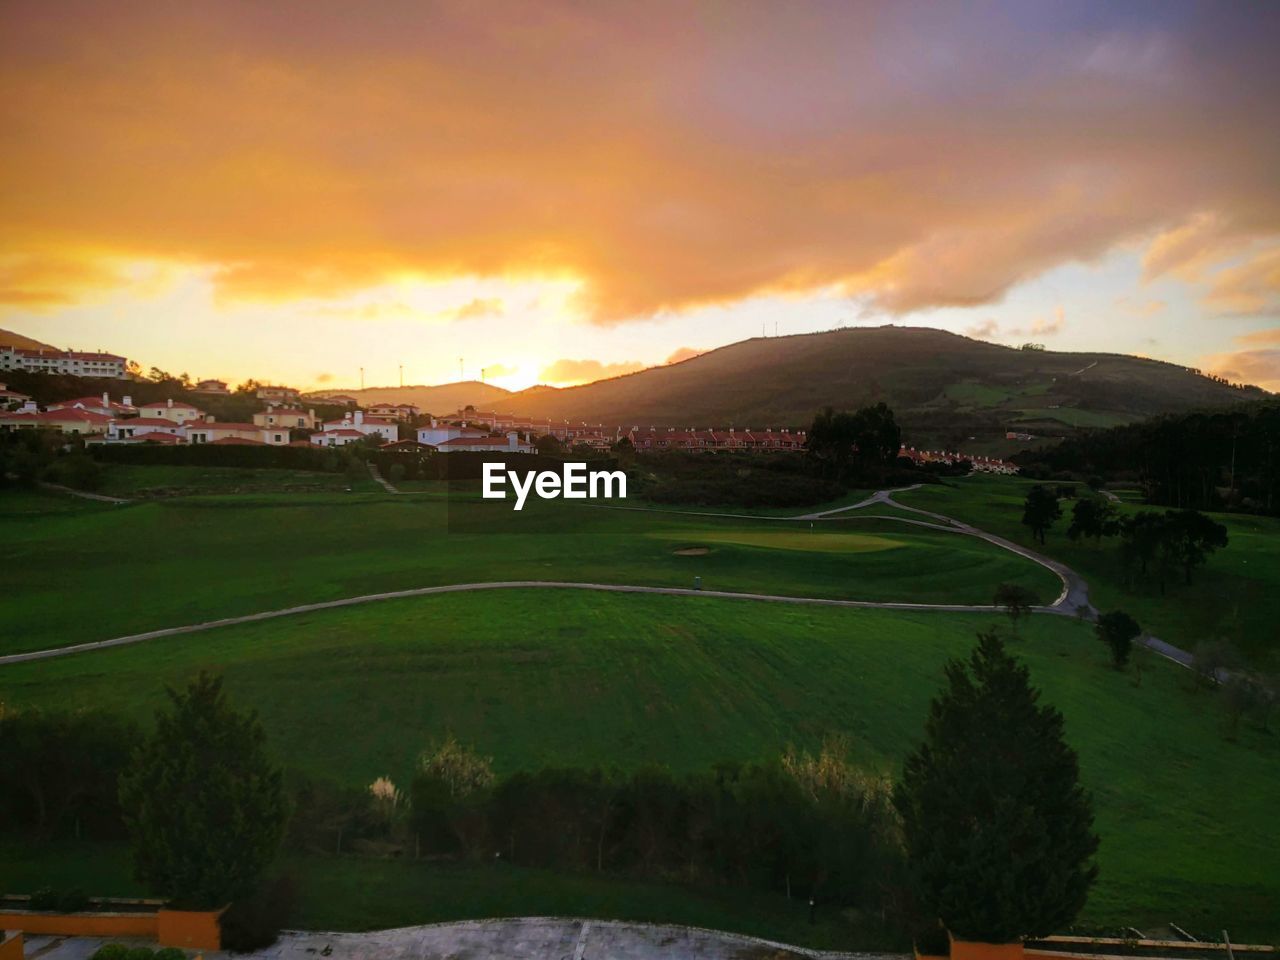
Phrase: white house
(511,443)
(448,437)
(339,437)
(138,427)
(291,418)
(103,405)
(366,426)
(174,411)
(214,432)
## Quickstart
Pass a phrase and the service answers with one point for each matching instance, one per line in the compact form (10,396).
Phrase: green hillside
(943,386)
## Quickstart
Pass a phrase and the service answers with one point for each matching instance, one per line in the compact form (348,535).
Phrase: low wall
(187,929)
(190,929)
(10,945)
(106,925)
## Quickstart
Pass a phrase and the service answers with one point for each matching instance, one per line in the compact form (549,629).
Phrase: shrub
(110,951)
(170,953)
(140,953)
(203,802)
(255,922)
(72,901)
(46,898)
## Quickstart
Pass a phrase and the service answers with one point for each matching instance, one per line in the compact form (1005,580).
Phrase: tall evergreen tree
(204,805)
(998,830)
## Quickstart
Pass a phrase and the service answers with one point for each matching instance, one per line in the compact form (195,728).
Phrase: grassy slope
(129,481)
(97,571)
(1232,596)
(534,677)
(784,380)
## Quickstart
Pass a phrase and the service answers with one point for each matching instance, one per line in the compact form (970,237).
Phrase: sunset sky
(555,192)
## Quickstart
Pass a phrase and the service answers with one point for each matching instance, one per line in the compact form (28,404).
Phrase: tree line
(1151,542)
(1209,459)
(207,810)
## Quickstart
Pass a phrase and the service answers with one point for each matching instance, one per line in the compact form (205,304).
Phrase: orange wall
(190,929)
(82,924)
(10,946)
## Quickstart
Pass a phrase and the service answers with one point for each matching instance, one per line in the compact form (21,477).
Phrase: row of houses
(671,438)
(979,464)
(76,363)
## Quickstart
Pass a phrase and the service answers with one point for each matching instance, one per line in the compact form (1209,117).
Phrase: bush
(46,898)
(76,470)
(203,801)
(255,922)
(73,901)
(110,951)
(170,953)
(140,953)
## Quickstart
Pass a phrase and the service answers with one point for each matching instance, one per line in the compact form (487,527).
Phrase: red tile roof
(236,442)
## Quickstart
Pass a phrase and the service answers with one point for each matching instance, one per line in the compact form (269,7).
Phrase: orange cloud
(290,150)
(569,372)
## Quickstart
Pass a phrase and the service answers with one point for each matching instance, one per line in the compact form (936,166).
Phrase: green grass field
(130,481)
(537,677)
(95,571)
(1233,596)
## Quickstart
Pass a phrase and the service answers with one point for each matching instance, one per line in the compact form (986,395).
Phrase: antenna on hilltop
(460,374)
(402,374)
(362,378)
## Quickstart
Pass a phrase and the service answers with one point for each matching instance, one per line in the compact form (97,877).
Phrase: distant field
(1074,416)
(536,677)
(1236,595)
(170,562)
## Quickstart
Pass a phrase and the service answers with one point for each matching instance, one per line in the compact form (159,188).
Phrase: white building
(447,437)
(338,437)
(205,431)
(366,426)
(74,362)
(174,411)
(103,405)
(139,427)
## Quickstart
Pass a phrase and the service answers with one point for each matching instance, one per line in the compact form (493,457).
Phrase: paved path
(1073,600)
(100,497)
(521,938)
(380,479)
(494,585)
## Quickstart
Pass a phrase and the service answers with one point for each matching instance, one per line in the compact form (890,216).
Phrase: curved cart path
(1072,601)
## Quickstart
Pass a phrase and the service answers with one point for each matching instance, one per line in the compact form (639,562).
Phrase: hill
(10,339)
(442,399)
(944,387)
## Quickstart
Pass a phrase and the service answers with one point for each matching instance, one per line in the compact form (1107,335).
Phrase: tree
(1189,538)
(997,829)
(548,445)
(1094,517)
(449,795)
(203,803)
(1117,630)
(1040,510)
(1016,600)
(1140,538)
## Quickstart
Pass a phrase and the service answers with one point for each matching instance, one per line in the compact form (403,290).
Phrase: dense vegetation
(1208,460)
